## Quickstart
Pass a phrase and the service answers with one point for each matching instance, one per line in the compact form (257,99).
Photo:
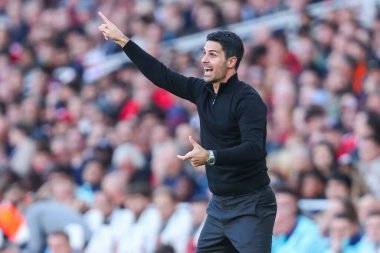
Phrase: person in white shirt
(140,234)
(175,220)
(107,222)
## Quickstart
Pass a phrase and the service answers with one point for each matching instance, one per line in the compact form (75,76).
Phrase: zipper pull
(213,101)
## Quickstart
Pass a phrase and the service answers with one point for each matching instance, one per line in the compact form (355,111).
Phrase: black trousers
(241,223)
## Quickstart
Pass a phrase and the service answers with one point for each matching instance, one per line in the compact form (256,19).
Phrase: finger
(182,157)
(196,162)
(104,18)
(102,27)
(105,36)
(193,142)
(186,157)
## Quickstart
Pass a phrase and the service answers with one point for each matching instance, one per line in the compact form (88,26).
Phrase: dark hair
(231,43)
(373,121)
(349,208)
(314,111)
(343,178)
(350,216)
(165,191)
(165,249)
(314,173)
(284,189)
(140,188)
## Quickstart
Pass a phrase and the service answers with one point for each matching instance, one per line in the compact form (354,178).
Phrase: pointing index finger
(104,18)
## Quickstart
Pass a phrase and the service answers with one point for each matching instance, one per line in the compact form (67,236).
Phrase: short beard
(218,80)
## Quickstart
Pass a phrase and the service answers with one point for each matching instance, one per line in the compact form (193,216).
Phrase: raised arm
(184,87)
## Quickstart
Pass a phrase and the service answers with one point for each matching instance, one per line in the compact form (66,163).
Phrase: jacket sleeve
(251,116)
(160,75)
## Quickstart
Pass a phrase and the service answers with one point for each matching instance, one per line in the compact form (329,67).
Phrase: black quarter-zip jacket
(232,122)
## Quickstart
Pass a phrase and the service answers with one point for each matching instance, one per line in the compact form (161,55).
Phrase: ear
(231,62)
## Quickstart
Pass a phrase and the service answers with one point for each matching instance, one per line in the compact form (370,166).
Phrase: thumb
(193,142)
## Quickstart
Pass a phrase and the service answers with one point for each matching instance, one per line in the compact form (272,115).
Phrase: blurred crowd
(92,167)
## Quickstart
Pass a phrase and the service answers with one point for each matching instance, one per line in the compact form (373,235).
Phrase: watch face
(211,161)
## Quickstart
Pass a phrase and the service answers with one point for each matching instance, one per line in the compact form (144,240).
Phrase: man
(370,243)
(294,232)
(58,212)
(140,234)
(233,135)
(344,232)
(174,225)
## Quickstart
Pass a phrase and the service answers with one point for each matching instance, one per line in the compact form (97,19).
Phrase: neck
(216,85)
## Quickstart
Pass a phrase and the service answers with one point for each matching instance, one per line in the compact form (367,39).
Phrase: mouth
(208,70)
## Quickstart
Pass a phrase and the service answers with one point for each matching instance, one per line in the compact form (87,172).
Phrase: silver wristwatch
(211,158)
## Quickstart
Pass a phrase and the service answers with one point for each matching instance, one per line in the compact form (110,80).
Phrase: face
(366,205)
(336,189)
(93,173)
(286,213)
(214,62)
(340,228)
(369,150)
(137,203)
(58,244)
(322,157)
(165,206)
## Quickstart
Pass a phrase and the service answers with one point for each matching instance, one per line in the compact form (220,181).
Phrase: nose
(204,58)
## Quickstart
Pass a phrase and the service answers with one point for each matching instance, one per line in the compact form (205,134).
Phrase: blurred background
(88,146)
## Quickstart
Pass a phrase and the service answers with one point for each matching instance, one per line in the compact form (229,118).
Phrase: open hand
(111,31)
(198,156)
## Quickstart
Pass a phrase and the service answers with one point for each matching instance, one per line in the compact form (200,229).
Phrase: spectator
(323,158)
(129,160)
(369,153)
(108,223)
(93,174)
(343,233)
(290,227)
(198,211)
(57,213)
(12,220)
(172,215)
(335,206)
(339,185)
(312,185)
(139,235)
(366,205)
(114,186)
(169,171)
(371,239)
(24,149)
